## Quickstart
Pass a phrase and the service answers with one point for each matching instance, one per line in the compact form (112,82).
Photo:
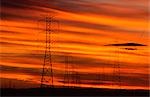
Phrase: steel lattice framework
(47,79)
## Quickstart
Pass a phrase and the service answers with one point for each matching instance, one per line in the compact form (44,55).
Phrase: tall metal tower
(77,78)
(71,75)
(101,75)
(47,79)
(67,73)
(75,75)
(117,76)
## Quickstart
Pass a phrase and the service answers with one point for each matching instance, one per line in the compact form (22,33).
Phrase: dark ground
(72,92)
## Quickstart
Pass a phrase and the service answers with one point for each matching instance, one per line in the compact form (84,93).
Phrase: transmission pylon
(67,73)
(75,75)
(47,79)
(77,78)
(117,75)
(101,75)
(71,75)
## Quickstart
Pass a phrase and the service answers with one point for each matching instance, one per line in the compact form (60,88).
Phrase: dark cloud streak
(126,44)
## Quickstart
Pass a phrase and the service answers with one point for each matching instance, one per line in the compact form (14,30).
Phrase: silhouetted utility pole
(47,79)
(10,84)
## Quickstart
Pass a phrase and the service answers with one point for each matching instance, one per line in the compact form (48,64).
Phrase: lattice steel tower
(117,75)
(47,79)
(71,75)
(67,73)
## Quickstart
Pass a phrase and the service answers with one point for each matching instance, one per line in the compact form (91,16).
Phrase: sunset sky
(95,35)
